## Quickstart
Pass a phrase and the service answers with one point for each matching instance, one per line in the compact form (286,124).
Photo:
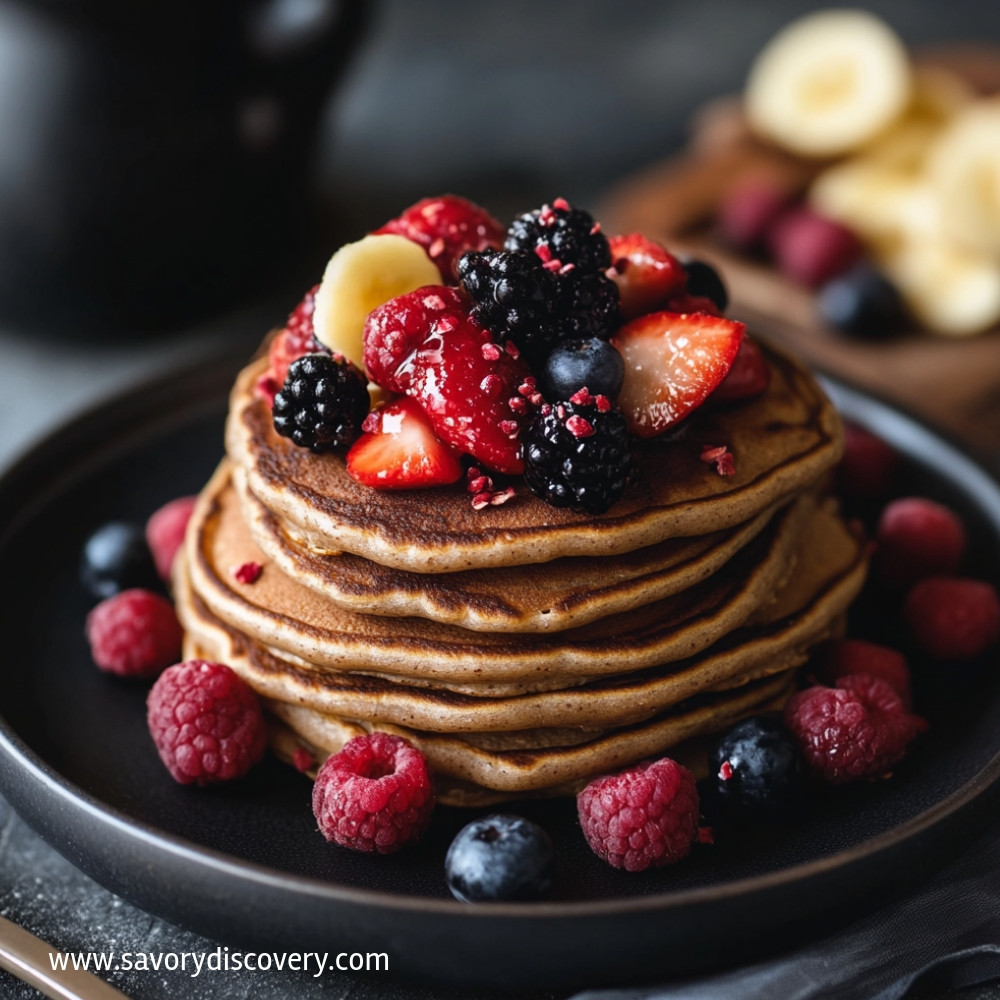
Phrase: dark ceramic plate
(245,863)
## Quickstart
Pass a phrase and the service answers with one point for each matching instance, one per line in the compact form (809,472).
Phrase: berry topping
(757,766)
(646,816)
(869,465)
(165,532)
(593,363)
(322,403)
(116,558)
(447,227)
(400,451)
(721,457)
(588,305)
(374,795)
(673,362)
(811,248)
(857,729)
(560,236)
(297,338)
(855,656)
(577,454)
(206,723)
(499,857)
(748,211)
(862,302)
(953,618)
(646,274)
(134,634)
(918,538)
(426,345)
(704,282)
(248,572)
(749,376)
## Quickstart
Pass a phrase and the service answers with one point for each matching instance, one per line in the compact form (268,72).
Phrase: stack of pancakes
(521,647)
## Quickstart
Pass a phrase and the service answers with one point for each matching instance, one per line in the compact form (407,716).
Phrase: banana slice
(359,278)
(965,171)
(828,83)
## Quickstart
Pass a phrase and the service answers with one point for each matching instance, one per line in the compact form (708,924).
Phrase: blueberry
(593,363)
(499,857)
(115,558)
(704,280)
(756,767)
(862,302)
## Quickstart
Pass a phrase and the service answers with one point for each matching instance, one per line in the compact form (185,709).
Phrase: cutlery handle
(29,958)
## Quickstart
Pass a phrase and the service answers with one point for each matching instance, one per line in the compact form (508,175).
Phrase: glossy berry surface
(953,618)
(116,557)
(862,302)
(499,857)
(646,273)
(588,305)
(756,766)
(592,363)
(560,235)
(749,376)
(298,338)
(703,281)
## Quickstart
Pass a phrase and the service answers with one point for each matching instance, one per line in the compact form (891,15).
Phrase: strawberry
(646,274)
(400,451)
(673,362)
(447,227)
(295,340)
(749,376)
(426,345)
(685,302)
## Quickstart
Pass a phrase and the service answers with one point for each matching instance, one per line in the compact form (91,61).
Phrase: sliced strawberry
(400,451)
(673,362)
(749,376)
(645,272)
(426,345)
(447,227)
(298,338)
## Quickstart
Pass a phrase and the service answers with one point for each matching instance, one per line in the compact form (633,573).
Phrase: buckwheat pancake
(782,441)
(561,594)
(282,613)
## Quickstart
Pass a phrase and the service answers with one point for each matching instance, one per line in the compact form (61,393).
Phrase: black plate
(245,862)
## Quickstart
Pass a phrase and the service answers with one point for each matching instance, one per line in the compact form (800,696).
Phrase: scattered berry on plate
(748,211)
(576,364)
(704,282)
(646,273)
(953,618)
(868,469)
(116,558)
(673,363)
(165,532)
(749,376)
(374,795)
(841,657)
(499,857)
(296,339)
(134,634)
(857,729)
(812,249)
(756,767)
(862,302)
(447,227)
(577,453)
(918,538)
(206,722)
(560,235)
(398,450)
(322,403)
(644,817)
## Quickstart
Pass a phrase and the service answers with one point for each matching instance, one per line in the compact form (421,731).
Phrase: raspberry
(855,656)
(206,722)
(748,210)
(646,816)
(812,249)
(953,618)
(918,538)
(165,532)
(134,634)
(297,338)
(374,795)
(868,466)
(857,729)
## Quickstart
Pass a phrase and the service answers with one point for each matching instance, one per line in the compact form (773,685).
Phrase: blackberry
(576,454)
(589,305)
(322,403)
(561,233)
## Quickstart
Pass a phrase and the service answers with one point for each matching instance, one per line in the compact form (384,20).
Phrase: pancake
(561,594)
(782,441)
(279,612)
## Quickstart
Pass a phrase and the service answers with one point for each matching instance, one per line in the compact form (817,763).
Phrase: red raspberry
(165,532)
(646,816)
(918,538)
(953,618)
(858,729)
(298,338)
(868,466)
(206,722)
(447,227)
(811,248)
(134,634)
(748,210)
(844,657)
(374,795)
